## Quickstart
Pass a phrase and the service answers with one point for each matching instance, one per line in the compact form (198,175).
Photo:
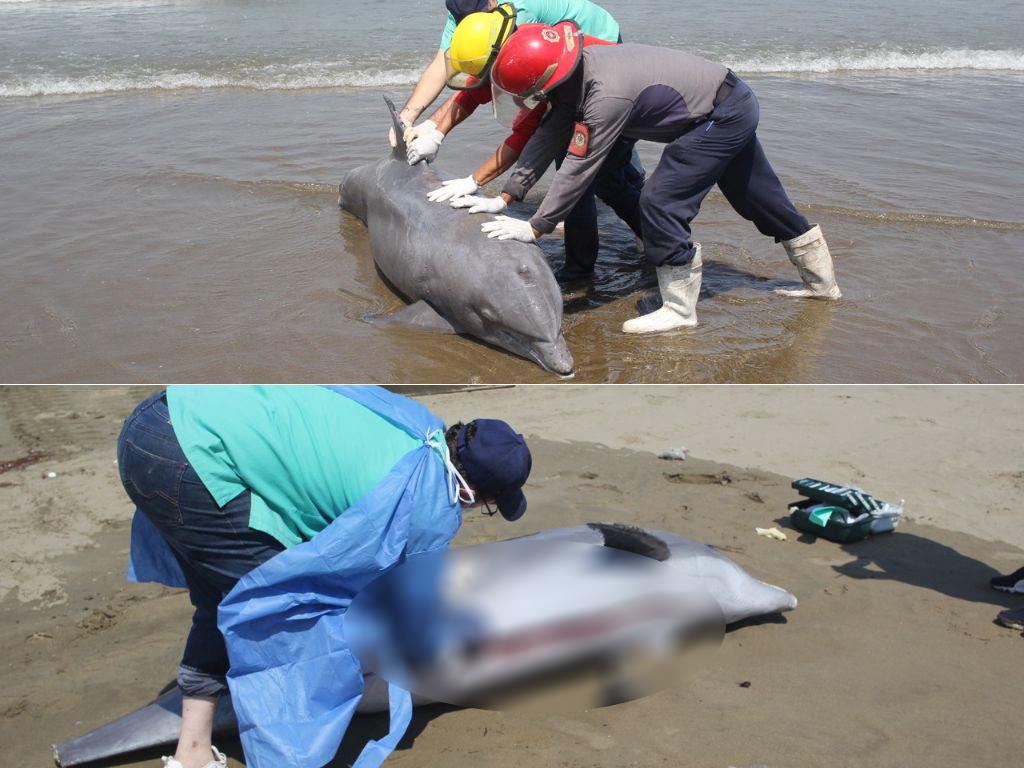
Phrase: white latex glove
(507,228)
(480,204)
(453,188)
(424,147)
(413,132)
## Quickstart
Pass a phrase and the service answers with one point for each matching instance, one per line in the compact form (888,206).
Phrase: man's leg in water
(619,185)
(581,241)
(620,182)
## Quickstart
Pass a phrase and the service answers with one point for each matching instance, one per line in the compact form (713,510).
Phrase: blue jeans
(214,545)
(619,184)
(725,151)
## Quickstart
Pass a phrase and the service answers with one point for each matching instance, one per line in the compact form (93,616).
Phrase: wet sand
(891,658)
(195,236)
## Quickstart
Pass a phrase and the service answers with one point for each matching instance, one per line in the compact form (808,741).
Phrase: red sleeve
(525,128)
(470,100)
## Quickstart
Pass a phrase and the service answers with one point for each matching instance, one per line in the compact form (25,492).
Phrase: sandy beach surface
(891,658)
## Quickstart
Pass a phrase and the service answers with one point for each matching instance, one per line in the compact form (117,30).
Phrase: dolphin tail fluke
(400,148)
(419,316)
(148,727)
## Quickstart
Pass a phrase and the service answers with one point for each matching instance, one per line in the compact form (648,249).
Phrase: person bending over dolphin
(591,18)
(704,113)
(476,31)
(231,476)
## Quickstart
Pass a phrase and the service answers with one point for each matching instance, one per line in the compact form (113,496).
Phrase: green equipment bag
(831,522)
(841,513)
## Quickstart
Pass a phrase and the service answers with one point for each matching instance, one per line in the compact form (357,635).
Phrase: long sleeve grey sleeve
(541,151)
(605,119)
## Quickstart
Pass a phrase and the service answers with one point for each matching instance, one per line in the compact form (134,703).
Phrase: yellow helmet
(475,44)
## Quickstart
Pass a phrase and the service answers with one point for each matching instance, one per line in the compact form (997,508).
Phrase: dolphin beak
(554,356)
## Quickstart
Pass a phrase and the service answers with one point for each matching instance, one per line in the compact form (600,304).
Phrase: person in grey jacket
(705,114)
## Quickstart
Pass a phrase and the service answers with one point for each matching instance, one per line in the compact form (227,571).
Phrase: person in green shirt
(231,476)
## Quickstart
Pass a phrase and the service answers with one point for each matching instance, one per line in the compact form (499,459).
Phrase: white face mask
(458,488)
(466,495)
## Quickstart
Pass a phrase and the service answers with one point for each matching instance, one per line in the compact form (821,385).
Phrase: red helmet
(536,59)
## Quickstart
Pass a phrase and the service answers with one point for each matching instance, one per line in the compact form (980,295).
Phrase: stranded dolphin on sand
(159,723)
(457,280)
(738,595)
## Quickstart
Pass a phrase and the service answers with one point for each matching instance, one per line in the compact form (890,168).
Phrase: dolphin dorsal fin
(399,150)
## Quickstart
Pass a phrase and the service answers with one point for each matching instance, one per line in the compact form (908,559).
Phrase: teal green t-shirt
(590,17)
(307,454)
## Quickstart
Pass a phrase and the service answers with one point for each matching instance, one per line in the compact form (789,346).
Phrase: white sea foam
(883,60)
(335,74)
(181,81)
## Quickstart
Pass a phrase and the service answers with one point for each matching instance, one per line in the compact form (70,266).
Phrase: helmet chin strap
(457,485)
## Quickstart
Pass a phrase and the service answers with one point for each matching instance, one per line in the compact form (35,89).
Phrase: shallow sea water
(168,204)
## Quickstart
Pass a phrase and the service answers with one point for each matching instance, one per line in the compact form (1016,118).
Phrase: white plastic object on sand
(771,533)
(887,518)
(674,454)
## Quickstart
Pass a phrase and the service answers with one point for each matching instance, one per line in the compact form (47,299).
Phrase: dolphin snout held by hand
(454,277)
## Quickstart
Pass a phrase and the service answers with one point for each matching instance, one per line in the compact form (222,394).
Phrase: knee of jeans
(196,683)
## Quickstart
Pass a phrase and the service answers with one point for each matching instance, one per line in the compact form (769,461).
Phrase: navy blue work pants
(725,151)
(619,185)
(214,545)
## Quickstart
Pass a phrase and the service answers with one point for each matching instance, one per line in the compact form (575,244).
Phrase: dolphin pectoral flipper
(419,316)
(400,147)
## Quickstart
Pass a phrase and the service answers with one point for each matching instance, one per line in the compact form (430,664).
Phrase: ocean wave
(346,74)
(181,81)
(882,60)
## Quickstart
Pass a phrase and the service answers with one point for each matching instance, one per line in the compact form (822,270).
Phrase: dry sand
(891,659)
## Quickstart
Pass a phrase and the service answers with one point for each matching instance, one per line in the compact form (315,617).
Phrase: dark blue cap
(497,463)
(460,9)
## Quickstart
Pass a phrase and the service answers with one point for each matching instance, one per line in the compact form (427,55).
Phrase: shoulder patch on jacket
(580,142)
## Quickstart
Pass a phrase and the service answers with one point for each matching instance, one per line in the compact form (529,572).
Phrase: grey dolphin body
(159,723)
(739,596)
(456,279)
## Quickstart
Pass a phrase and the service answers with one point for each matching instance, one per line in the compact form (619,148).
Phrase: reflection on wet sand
(198,237)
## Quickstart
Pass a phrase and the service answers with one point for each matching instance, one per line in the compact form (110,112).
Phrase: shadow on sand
(367,727)
(612,284)
(920,562)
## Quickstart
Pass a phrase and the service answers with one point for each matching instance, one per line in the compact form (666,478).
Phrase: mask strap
(456,482)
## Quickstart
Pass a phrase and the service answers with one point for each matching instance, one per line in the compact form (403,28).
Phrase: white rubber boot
(220,760)
(809,254)
(679,287)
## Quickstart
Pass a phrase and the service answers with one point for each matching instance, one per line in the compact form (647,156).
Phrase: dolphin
(456,279)
(738,594)
(159,723)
